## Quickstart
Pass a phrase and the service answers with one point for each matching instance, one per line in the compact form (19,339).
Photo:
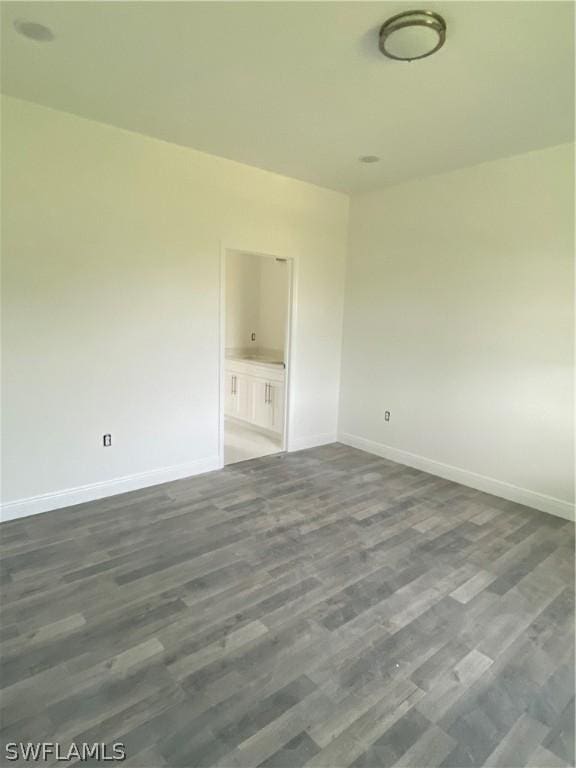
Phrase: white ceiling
(300,88)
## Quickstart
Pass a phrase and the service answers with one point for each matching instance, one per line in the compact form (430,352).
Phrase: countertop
(256,358)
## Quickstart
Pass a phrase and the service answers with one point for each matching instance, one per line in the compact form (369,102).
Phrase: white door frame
(288,344)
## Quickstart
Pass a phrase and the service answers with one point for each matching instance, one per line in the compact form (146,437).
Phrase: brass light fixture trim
(409,21)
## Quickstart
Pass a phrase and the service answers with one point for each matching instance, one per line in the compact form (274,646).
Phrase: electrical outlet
(107,441)
(386,415)
(252,337)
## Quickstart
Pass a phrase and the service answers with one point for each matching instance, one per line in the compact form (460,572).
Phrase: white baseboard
(313,441)
(540,501)
(66,498)
(35,504)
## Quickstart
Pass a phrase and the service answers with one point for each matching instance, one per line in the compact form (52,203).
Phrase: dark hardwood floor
(321,608)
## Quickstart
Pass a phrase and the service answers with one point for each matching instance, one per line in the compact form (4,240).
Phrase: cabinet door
(262,415)
(244,397)
(276,396)
(230,399)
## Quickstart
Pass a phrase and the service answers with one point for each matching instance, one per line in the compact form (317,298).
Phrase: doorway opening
(255,330)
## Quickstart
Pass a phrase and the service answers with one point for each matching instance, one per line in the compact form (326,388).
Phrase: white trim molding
(11,510)
(504,490)
(312,441)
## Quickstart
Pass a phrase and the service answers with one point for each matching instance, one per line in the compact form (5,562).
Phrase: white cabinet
(268,399)
(229,398)
(237,395)
(254,392)
(261,406)
(243,396)
(277,403)
(237,399)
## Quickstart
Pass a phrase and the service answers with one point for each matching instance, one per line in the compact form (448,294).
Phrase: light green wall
(111,282)
(459,320)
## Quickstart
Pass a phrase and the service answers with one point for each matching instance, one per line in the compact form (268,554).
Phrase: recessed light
(412,35)
(34,31)
(369,159)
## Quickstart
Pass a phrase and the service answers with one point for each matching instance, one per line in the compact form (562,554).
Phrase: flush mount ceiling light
(369,159)
(412,35)
(34,31)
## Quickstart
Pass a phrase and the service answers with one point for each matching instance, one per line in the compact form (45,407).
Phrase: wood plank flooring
(321,608)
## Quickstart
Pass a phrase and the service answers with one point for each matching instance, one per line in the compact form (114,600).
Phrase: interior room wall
(273,304)
(459,313)
(256,302)
(459,321)
(111,278)
(243,298)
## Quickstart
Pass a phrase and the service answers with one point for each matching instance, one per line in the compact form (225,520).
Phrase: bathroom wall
(242,294)
(256,302)
(273,304)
